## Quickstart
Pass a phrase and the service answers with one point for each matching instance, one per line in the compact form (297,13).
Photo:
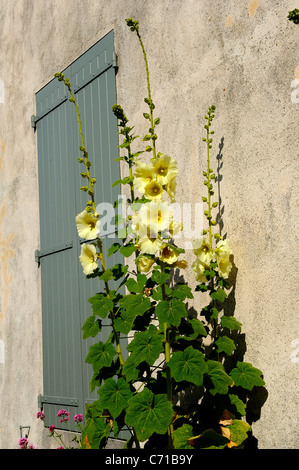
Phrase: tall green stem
(91,182)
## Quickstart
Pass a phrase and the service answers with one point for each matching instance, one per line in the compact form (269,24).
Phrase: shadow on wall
(206,406)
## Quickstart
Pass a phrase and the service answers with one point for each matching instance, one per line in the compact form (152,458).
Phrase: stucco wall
(241,56)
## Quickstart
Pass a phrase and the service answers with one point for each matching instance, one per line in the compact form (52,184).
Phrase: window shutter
(65,289)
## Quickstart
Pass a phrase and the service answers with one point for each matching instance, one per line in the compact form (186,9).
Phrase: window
(65,289)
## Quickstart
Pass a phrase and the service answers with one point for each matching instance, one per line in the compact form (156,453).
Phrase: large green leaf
(91,327)
(219,294)
(114,396)
(146,346)
(188,365)
(231,323)
(100,355)
(101,305)
(95,433)
(133,305)
(138,285)
(148,413)
(182,292)
(247,376)
(181,436)
(171,312)
(238,431)
(219,377)
(225,344)
(238,404)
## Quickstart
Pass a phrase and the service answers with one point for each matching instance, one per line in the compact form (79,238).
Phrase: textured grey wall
(241,56)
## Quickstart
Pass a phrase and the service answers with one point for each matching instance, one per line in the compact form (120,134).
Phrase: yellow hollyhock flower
(143,175)
(198,270)
(165,168)
(144,263)
(222,247)
(157,216)
(88,258)
(223,253)
(170,188)
(181,264)
(88,226)
(224,266)
(153,190)
(167,254)
(149,244)
(203,251)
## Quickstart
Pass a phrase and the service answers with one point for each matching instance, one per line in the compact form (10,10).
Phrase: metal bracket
(21,431)
(115,61)
(33,121)
(61,401)
(49,251)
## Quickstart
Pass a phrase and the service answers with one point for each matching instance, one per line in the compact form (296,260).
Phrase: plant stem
(150,102)
(91,193)
(167,350)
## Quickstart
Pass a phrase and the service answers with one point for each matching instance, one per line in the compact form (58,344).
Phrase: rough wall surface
(241,56)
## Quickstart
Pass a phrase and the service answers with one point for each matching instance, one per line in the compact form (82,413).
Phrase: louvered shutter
(65,289)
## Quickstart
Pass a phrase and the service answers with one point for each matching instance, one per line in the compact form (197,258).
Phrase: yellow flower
(153,190)
(144,263)
(167,254)
(203,251)
(198,270)
(181,264)
(170,188)
(224,266)
(88,258)
(149,244)
(165,168)
(222,247)
(88,226)
(223,253)
(143,175)
(157,216)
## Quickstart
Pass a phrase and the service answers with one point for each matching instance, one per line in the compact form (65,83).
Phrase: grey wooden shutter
(65,289)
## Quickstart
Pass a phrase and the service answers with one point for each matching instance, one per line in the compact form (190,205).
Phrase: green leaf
(101,305)
(148,413)
(238,404)
(95,433)
(210,439)
(146,346)
(128,250)
(137,286)
(130,370)
(198,328)
(219,294)
(133,305)
(106,275)
(171,312)
(247,376)
(182,291)
(238,431)
(219,377)
(181,436)
(188,365)
(91,327)
(114,396)
(158,293)
(160,276)
(225,344)
(100,355)
(231,323)
(136,304)
(113,249)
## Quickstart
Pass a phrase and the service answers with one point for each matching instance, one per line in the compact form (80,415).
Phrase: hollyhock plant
(172,352)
